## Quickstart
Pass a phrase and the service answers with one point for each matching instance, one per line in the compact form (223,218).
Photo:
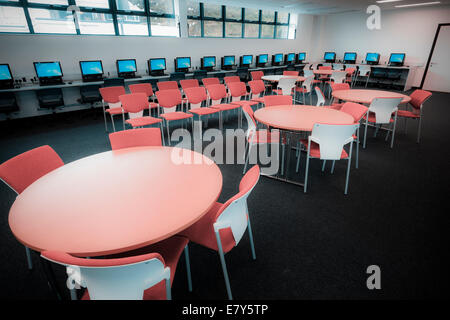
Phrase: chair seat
(264,137)
(170,249)
(259,100)
(152,105)
(114,111)
(301,89)
(372,118)
(315,149)
(202,232)
(225,106)
(407,114)
(336,106)
(177,115)
(245,103)
(142,121)
(203,111)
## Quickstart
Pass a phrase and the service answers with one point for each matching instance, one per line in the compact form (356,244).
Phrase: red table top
(324,72)
(366,96)
(300,117)
(115,201)
(276,78)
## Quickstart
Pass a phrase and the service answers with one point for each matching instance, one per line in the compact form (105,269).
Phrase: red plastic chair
(418,98)
(170,85)
(217,93)
(223,226)
(148,90)
(290,73)
(110,96)
(335,87)
(24,169)
(231,79)
(143,137)
(197,96)
(350,74)
(256,75)
(189,83)
(238,90)
(134,104)
(277,100)
(210,81)
(257,88)
(145,273)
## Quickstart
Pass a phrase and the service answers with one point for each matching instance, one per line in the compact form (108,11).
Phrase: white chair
(305,88)
(320,97)
(336,77)
(286,85)
(327,142)
(308,73)
(338,66)
(380,112)
(363,71)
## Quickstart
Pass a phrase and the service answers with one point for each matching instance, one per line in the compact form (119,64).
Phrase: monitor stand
(6,84)
(157,73)
(50,81)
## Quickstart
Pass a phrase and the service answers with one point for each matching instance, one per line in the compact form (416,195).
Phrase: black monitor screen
(247,59)
(157,64)
(263,58)
(329,56)
(228,61)
(372,57)
(183,63)
(397,58)
(5,73)
(126,66)
(350,56)
(48,69)
(290,57)
(301,56)
(278,57)
(209,62)
(91,67)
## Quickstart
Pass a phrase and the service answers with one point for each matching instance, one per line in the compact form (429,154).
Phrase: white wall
(402,30)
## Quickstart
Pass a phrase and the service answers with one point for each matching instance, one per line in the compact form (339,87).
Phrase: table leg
(50,276)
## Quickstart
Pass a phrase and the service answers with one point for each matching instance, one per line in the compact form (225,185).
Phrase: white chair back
(383,109)
(286,85)
(320,97)
(338,66)
(307,83)
(332,138)
(338,76)
(364,70)
(251,125)
(308,72)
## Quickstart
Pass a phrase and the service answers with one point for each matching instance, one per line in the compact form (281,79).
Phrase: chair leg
(168,133)
(332,166)
(224,266)
(419,130)
(323,165)
(393,131)
(168,290)
(357,148)
(73,294)
(188,267)
(247,157)
(306,173)
(298,160)
(104,117)
(250,236)
(365,135)
(112,120)
(283,148)
(162,133)
(348,169)
(29,261)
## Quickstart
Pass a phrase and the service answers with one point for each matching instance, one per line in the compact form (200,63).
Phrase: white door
(438,75)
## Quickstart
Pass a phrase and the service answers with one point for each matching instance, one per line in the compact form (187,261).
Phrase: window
(164,27)
(52,2)
(267,30)
(96,23)
(233,29)
(161,6)
(283,17)
(132,25)
(194,28)
(193,8)
(103,4)
(130,5)
(251,30)
(234,13)
(267,16)
(52,21)
(213,28)
(12,19)
(251,14)
(282,32)
(212,10)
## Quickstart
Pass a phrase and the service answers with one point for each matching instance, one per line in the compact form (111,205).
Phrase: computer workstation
(6,78)
(126,68)
(290,58)
(91,71)
(49,73)
(208,63)
(156,67)
(182,64)
(228,62)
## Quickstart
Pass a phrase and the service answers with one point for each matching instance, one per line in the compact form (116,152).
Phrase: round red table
(276,78)
(324,72)
(366,96)
(115,201)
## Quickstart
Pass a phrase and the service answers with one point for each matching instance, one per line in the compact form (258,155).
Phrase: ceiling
(318,7)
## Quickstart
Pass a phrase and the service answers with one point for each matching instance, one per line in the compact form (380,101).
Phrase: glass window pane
(251,30)
(162,6)
(95,23)
(193,8)
(12,19)
(212,10)
(130,5)
(63,2)
(282,17)
(282,32)
(213,28)
(233,29)
(132,25)
(93,3)
(9,0)
(251,14)
(268,16)
(52,21)
(267,31)
(164,27)
(194,28)
(233,13)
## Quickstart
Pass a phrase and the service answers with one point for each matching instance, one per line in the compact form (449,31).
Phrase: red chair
(238,90)
(256,75)
(189,83)
(143,137)
(145,273)
(148,90)
(231,79)
(290,73)
(210,81)
(134,104)
(350,74)
(257,88)
(335,87)
(196,97)
(110,95)
(170,85)
(223,226)
(277,100)
(169,100)
(24,169)
(217,93)
(418,98)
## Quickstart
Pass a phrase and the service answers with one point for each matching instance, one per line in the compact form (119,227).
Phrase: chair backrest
(356,110)
(286,85)
(141,87)
(320,97)
(114,279)
(217,92)
(350,71)
(256,86)
(331,138)
(339,86)
(307,83)
(134,103)
(256,75)
(189,83)
(383,108)
(308,72)
(364,70)
(338,76)
(326,67)
(290,73)
(251,121)
(111,94)
(277,100)
(24,169)
(338,66)
(167,85)
(195,96)
(141,137)
(169,98)
(237,89)
(307,66)
(210,81)
(233,213)
(418,97)
(231,79)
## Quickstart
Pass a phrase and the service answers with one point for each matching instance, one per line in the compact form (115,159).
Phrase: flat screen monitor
(372,58)
(262,59)
(91,70)
(301,57)
(247,60)
(208,62)
(126,66)
(290,58)
(48,69)
(229,61)
(329,56)
(156,66)
(397,59)
(182,63)
(5,72)
(277,58)
(350,57)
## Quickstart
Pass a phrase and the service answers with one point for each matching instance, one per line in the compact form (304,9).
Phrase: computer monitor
(126,68)
(289,58)
(350,57)
(48,72)
(372,58)
(261,60)
(208,63)
(228,62)
(91,70)
(182,64)
(277,59)
(6,78)
(156,66)
(301,57)
(246,60)
(397,59)
(329,57)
